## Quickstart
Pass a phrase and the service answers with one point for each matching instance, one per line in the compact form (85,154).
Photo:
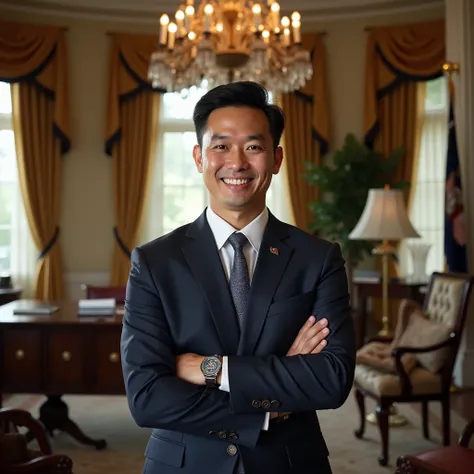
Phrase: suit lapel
(272,261)
(202,256)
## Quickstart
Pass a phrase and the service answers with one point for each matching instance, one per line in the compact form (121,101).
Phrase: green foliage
(344,188)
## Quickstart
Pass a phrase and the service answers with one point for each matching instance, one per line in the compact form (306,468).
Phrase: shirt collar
(222,230)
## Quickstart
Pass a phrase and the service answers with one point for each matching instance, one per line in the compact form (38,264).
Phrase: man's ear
(277,160)
(197,155)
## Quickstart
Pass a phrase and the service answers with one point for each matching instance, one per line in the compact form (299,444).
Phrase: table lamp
(384,219)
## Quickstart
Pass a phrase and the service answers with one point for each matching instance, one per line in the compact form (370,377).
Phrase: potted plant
(344,188)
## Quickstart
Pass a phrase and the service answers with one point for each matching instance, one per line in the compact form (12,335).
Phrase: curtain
(306,131)
(131,131)
(34,60)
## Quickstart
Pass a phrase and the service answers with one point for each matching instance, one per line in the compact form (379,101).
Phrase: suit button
(222,435)
(275,404)
(233,436)
(256,404)
(266,404)
(232,450)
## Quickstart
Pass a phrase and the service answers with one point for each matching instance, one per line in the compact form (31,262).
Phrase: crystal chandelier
(222,41)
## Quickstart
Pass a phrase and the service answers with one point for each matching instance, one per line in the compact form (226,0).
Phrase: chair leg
(425,419)
(446,409)
(383,412)
(360,399)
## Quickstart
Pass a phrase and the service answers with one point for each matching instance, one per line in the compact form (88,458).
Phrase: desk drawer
(109,367)
(66,353)
(21,360)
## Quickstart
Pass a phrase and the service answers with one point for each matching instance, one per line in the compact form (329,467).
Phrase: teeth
(236,182)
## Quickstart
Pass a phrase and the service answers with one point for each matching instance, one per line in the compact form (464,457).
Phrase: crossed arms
(304,380)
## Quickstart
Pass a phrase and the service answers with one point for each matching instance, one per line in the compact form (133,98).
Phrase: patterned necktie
(239,276)
(240,288)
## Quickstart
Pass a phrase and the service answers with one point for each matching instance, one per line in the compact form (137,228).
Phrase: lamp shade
(384,217)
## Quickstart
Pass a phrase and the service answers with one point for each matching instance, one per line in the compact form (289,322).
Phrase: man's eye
(255,148)
(220,147)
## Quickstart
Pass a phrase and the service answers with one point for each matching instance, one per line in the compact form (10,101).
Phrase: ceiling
(139,10)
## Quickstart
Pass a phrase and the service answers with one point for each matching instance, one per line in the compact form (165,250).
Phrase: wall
(87,209)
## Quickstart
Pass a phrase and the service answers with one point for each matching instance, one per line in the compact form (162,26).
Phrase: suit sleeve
(304,382)
(156,397)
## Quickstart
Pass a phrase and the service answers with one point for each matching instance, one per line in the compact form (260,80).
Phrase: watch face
(210,366)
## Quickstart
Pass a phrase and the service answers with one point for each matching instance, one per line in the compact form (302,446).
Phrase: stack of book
(97,307)
(34,307)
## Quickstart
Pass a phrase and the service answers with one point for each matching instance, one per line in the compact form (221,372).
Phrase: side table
(9,294)
(397,289)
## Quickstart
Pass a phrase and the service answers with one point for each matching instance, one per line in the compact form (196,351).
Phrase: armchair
(16,457)
(457,459)
(422,371)
(117,292)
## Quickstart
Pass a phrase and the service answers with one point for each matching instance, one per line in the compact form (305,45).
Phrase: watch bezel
(214,372)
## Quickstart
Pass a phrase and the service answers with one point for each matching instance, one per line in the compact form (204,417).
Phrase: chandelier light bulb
(192,35)
(189,10)
(257,9)
(285,22)
(208,9)
(275,7)
(172,27)
(179,15)
(295,16)
(164,20)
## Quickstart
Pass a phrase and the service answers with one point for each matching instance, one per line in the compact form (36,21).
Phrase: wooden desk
(60,354)
(397,290)
(9,294)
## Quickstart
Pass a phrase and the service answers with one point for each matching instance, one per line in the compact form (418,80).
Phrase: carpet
(108,417)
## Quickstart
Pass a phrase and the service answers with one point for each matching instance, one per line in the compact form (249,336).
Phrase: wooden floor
(462,402)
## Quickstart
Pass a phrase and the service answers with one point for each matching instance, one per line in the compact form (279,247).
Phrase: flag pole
(449,69)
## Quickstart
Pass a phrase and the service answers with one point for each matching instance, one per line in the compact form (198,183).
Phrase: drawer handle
(66,355)
(114,357)
(19,354)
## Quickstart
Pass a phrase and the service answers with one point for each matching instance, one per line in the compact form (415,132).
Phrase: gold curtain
(131,130)
(306,131)
(400,60)
(34,60)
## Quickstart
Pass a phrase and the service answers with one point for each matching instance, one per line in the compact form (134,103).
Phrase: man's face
(237,158)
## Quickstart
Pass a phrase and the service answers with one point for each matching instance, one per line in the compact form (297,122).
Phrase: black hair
(238,94)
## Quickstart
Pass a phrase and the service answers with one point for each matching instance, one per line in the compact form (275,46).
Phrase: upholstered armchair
(417,364)
(93,292)
(15,455)
(458,459)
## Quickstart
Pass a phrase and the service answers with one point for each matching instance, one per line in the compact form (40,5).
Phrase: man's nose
(238,159)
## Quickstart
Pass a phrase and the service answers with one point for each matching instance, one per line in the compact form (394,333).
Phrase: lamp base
(385,332)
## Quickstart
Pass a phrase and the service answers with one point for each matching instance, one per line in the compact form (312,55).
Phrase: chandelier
(222,41)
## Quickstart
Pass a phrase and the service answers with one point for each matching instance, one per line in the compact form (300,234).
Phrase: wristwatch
(210,368)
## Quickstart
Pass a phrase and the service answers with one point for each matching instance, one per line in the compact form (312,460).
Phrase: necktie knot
(238,240)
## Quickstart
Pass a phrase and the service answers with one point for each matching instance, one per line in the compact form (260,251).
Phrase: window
(8,179)
(427,207)
(177,193)
(17,250)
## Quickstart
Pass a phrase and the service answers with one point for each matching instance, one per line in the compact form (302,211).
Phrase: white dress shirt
(222,230)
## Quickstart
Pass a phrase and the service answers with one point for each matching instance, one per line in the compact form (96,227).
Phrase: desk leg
(54,414)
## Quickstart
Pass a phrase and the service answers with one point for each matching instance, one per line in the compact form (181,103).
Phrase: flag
(455,233)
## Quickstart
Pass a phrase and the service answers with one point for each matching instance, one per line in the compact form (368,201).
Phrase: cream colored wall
(87,208)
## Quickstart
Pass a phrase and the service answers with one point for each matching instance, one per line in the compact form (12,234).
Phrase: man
(219,356)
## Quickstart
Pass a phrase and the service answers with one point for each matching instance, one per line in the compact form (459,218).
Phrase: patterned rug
(108,417)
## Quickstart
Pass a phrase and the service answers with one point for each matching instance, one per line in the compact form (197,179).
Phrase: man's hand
(188,368)
(311,338)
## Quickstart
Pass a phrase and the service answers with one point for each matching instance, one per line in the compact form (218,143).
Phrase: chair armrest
(386,339)
(24,418)
(53,463)
(399,351)
(466,435)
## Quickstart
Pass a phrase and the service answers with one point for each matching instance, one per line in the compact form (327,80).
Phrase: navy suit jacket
(178,301)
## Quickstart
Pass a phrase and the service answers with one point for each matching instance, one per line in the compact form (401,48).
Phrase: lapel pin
(274,251)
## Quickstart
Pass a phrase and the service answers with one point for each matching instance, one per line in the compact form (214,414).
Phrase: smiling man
(237,327)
